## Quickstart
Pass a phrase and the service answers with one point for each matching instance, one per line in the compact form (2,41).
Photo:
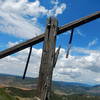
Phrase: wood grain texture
(47,61)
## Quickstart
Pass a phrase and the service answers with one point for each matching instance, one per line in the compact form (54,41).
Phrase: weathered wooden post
(48,60)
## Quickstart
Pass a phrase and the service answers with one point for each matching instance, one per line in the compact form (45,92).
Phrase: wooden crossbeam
(40,38)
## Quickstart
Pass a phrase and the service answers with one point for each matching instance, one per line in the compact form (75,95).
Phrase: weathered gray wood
(78,22)
(47,61)
(40,38)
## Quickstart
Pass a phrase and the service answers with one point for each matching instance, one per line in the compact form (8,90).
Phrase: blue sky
(73,11)
(22,19)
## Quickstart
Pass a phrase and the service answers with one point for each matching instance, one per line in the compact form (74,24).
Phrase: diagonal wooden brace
(28,59)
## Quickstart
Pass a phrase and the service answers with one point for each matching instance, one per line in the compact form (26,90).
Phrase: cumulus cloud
(56,10)
(71,72)
(76,68)
(60,9)
(20,17)
(79,67)
(15,64)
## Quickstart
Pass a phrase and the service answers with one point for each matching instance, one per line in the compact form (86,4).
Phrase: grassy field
(14,88)
(11,93)
(6,96)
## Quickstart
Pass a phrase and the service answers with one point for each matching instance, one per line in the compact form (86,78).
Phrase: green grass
(20,92)
(5,96)
(10,93)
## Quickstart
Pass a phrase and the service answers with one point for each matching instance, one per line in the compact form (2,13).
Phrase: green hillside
(6,96)
(17,89)
(11,93)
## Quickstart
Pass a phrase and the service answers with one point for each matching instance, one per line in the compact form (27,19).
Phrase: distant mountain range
(59,87)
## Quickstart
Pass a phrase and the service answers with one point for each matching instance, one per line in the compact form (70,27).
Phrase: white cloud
(20,17)
(54,2)
(93,42)
(23,7)
(97,79)
(56,10)
(91,61)
(76,68)
(15,64)
(11,44)
(71,72)
(79,32)
(17,25)
(60,9)
(79,67)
